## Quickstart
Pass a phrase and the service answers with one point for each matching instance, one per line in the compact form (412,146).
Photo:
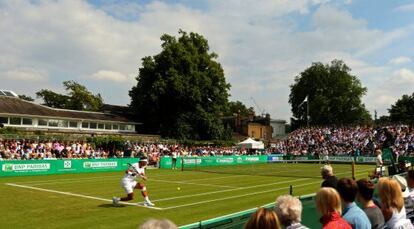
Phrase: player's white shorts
(128,185)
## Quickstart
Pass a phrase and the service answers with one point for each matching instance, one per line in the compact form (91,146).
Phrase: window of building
(101,126)
(4,120)
(63,123)
(129,127)
(15,121)
(85,125)
(115,127)
(92,125)
(42,122)
(73,124)
(53,123)
(27,121)
(122,127)
(108,126)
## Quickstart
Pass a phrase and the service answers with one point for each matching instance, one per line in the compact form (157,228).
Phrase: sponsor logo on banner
(301,158)
(225,160)
(338,158)
(252,158)
(100,165)
(67,164)
(25,167)
(239,160)
(192,161)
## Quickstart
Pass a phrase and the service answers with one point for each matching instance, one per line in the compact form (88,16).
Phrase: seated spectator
(328,204)
(364,196)
(392,203)
(327,175)
(289,212)
(263,219)
(408,202)
(410,183)
(348,189)
(158,224)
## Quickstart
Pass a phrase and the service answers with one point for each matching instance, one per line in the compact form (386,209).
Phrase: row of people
(357,141)
(338,208)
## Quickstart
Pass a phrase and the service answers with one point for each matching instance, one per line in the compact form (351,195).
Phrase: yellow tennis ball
(178,188)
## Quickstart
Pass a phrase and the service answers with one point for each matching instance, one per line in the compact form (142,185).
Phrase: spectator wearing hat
(364,197)
(329,178)
(289,212)
(348,189)
(408,202)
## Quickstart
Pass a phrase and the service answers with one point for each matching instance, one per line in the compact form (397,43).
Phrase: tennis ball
(178,188)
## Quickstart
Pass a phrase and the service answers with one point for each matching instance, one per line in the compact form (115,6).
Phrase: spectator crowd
(353,141)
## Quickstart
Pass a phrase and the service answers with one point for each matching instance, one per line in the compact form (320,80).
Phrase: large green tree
(78,98)
(333,95)
(403,109)
(181,92)
(238,107)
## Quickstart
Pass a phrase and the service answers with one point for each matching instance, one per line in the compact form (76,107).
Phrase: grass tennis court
(84,200)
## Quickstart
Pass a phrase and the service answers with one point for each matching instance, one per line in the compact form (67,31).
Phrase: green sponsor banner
(166,162)
(42,167)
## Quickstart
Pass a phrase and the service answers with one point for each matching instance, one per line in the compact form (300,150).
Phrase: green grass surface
(202,195)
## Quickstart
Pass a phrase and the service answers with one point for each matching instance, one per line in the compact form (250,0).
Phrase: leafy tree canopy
(182,92)
(78,98)
(403,109)
(238,107)
(333,94)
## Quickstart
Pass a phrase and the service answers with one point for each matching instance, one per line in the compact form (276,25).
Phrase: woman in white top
(379,163)
(392,204)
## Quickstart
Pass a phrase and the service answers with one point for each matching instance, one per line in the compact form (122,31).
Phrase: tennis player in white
(129,183)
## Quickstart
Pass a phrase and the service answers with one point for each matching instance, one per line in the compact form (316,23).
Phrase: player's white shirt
(379,160)
(131,175)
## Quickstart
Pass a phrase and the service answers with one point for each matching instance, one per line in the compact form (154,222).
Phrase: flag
(304,101)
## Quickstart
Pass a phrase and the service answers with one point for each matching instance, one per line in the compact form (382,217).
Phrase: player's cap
(403,184)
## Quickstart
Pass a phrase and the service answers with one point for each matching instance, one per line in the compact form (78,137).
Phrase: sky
(262,45)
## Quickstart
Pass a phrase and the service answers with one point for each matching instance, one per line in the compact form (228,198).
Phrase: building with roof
(30,116)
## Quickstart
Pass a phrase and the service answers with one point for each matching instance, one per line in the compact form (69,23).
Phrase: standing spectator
(328,204)
(174,159)
(364,196)
(392,203)
(379,163)
(263,219)
(329,179)
(348,189)
(289,212)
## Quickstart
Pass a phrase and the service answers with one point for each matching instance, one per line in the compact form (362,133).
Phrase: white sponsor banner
(192,161)
(103,164)
(25,167)
(252,159)
(225,160)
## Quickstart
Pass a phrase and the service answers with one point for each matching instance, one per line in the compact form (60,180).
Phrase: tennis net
(282,168)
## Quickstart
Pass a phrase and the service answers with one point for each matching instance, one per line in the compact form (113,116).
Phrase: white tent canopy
(250,143)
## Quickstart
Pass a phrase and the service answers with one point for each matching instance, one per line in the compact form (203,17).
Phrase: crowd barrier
(48,167)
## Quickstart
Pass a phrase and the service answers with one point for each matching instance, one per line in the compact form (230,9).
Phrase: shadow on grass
(111,206)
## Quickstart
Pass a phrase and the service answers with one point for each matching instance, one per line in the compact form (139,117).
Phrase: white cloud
(405,8)
(110,76)
(25,74)
(400,60)
(404,76)
(260,47)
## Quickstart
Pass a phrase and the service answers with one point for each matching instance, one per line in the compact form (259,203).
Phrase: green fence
(310,217)
(166,162)
(43,167)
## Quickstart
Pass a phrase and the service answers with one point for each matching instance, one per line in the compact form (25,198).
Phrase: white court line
(234,189)
(241,188)
(249,194)
(237,196)
(77,195)
(183,182)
